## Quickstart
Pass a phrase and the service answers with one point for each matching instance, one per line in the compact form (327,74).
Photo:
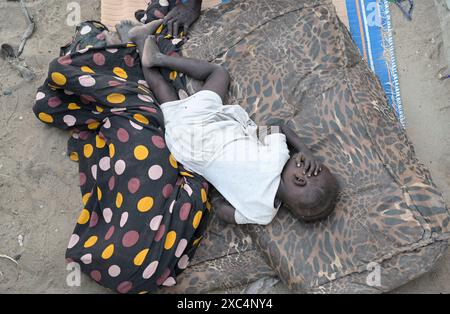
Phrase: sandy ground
(39,195)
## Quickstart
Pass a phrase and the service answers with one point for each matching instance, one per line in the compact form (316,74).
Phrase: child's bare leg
(215,77)
(158,85)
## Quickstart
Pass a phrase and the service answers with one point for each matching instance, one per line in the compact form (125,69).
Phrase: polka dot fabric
(143,215)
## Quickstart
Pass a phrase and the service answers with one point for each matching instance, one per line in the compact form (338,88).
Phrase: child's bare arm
(312,165)
(225,211)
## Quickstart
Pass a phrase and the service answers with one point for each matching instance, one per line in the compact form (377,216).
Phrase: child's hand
(311,165)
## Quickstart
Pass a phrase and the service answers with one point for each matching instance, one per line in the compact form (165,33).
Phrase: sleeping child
(255,175)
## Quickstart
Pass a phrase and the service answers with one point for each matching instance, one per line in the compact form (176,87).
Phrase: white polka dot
(169,282)
(105,163)
(107,123)
(118,109)
(112,50)
(119,167)
(181,247)
(171,207)
(183,262)
(145,98)
(83,50)
(164,3)
(142,82)
(94,171)
(107,215)
(150,270)
(156,222)
(73,241)
(136,126)
(86,81)
(68,92)
(85,30)
(176,41)
(188,189)
(86,259)
(123,219)
(120,79)
(182,94)
(155,172)
(69,120)
(144,18)
(114,271)
(40,95)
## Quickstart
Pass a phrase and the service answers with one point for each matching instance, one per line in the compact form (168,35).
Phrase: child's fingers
(176,27)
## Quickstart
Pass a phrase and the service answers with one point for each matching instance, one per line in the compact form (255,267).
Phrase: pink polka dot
(110,233)
(85,99)
(86,81)
(84,135)
(125,287)
(115,83)
(73,241)
(123,219)
(65,60)
(167,190)
(96,275)
(158,14)
(163,277)
(183,262)
(101,36)
(158,141)
(155,172)
(148,109)
(54,102)
(86,259)
(185,210)
(129,61)
(123,135)
(112,183)
(156,222)
(169,282)
(119,167)
(181,247)
(94,220)
(99,59)
(130,238)
(107,214)
(114,271)
(150,270)
(133,185)
(105,163)
(83,178)
(160,233)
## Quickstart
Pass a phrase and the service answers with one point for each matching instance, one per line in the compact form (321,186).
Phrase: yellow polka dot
(88,150)
(173,162)
(159,30)
(45,117)
(112,150)
(208,206)
(145,204)
(170,240)
(74,156)
(143,292)
(141,118)
(141,152)
(84,217)
(120,72)
(85,198)
(173,75)
(144,89)
(197,241)
(186,174)
(73,106)
(99,142)
(130,45)
(204,196)
(115,98)
(87,69)
(93,125)
(108,252)
(119,200)
(58,78)
(99,109)
(90,242)
(197,219)
(140,257)
(99,194)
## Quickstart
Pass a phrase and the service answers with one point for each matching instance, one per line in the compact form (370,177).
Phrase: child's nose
(300,179)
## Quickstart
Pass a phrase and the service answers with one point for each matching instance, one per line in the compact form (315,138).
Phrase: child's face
(309,198)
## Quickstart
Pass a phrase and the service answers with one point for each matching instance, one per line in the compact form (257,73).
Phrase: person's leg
(215,77)
(156,82)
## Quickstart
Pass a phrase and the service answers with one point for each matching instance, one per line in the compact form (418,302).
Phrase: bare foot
(151,56)
(140,33)
(124,27)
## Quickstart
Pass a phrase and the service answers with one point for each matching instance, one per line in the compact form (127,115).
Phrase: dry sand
(39,195)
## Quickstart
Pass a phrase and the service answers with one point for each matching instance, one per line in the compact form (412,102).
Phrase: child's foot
(151,56)
(140,33)
(124,27)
